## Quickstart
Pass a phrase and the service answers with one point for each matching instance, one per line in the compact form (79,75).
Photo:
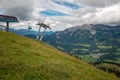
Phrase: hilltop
(22,58)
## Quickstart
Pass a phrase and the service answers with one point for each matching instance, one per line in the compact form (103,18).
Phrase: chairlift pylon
(42,25)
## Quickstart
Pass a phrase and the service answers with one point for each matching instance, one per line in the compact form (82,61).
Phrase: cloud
(78,12)
(90,15)
(20,8)
(52,13)
(67,4)
(1,11)
(93,12)
(97,3)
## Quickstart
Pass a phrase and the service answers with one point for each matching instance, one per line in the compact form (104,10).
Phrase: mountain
(22,58)
(22,31)
(95,40)
(34,36)
(26,32)
(91,43)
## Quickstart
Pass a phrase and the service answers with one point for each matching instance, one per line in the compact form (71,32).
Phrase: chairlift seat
(29,27)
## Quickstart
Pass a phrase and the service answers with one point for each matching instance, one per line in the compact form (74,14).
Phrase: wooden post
(7,28)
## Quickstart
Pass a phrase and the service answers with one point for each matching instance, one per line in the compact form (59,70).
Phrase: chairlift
(29,27)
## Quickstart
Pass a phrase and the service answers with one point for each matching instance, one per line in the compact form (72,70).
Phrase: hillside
(27,59)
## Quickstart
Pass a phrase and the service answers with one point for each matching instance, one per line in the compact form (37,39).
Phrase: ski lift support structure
(45,26)
(8,19)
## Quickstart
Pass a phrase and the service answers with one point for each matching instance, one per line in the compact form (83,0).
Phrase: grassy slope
(26,59)
(110,68)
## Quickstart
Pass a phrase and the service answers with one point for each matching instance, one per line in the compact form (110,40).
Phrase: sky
(61,14)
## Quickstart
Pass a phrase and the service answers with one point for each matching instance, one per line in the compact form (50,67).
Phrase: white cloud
(97,3)
(107,15)
(20,8)
(94,11)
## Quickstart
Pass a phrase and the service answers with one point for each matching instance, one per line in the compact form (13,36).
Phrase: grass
(27,59)
(82,49)
(88,58)
(84,45)
(110,68)
(118,50)
(104,47)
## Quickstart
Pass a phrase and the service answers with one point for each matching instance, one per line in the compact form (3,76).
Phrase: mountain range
(95,40)
(96,44)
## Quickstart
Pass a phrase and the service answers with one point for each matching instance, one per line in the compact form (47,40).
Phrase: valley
(90,43)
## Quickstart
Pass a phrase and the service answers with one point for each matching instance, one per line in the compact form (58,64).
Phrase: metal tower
(42,25)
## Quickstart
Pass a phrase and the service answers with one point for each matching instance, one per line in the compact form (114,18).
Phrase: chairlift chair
(29,27)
